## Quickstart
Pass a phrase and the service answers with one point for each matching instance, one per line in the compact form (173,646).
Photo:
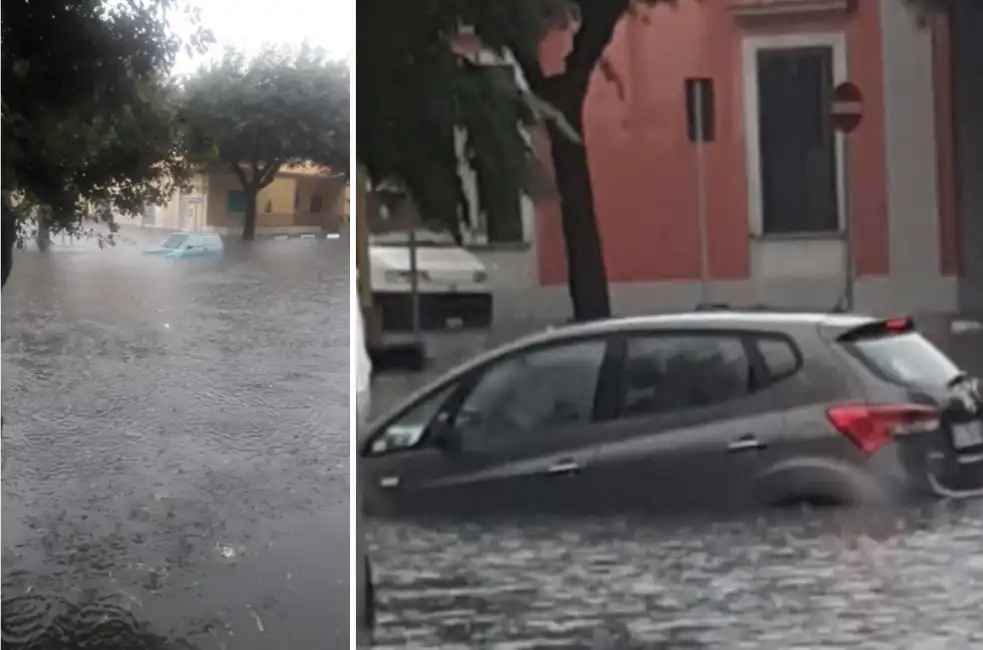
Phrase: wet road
(910,579)
(175,448)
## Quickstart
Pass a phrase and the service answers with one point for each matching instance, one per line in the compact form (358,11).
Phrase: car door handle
(389,482)
(745,443)
(563,467)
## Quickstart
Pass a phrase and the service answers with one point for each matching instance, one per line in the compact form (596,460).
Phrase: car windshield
(907,359)
(174,241)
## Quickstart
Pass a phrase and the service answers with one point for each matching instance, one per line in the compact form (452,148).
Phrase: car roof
(712,320)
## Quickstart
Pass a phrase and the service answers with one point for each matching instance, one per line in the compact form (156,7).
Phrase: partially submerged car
(189,244)
(715,411)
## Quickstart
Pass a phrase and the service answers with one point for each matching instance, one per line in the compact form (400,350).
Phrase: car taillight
(870,426)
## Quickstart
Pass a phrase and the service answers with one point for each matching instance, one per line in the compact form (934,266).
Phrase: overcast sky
(248,25)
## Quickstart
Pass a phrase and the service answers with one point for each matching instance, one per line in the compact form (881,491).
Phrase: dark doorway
(798,148)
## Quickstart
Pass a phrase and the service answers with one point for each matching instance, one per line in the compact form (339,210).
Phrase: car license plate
(968,435)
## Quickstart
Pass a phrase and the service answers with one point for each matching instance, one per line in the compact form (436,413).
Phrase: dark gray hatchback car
(706,411)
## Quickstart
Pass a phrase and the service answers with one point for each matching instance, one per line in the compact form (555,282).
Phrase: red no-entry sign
(847,109)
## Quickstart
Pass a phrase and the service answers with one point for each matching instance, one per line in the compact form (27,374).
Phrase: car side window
(670,372)
(779,357)
(407,430)
(532,393)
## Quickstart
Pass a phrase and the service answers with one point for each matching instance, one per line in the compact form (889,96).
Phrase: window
(669,372)
(317,204)
(779,356)
(174,241)
(908,359)
(531,394)
(797,145)
(236,202)
(407,430)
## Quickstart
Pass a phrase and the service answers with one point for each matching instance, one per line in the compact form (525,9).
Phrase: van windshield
(907,358)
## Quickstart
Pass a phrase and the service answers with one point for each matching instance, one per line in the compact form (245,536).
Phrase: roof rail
(712,306)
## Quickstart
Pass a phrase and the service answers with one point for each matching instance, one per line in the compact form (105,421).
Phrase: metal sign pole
(701,188)
(849,270)
(414,283)
(846,114)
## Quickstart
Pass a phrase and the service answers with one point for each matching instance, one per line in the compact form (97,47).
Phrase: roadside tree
(88,117)
(255,115)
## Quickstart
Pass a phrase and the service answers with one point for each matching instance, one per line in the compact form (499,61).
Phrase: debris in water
(167,326)
(259,621)
(228,552)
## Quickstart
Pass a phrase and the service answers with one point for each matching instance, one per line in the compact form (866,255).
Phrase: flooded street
(909,579)
(812,581)
(175,448)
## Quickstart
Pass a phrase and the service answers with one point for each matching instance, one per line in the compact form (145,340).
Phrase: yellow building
(301,199)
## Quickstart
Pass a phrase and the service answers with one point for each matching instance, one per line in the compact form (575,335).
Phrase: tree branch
(597,23)
(269,174)
(241,175)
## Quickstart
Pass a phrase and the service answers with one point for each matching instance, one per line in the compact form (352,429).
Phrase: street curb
(306,235)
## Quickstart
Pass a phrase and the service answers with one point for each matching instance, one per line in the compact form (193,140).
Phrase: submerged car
(189,244)
(716,411)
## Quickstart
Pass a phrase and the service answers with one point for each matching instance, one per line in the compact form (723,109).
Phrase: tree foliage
(416,93)
(254,116)
(88,116)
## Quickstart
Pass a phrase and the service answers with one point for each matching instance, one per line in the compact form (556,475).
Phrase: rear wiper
(957,379)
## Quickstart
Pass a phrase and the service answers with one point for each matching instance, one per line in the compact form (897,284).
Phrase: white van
(453,284)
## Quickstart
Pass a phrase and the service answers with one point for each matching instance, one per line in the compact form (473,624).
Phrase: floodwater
(175,448)
(910,579)
(820,580)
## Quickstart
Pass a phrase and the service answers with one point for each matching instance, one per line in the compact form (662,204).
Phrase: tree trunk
(586,273)
(44,235)
(249,222)
(9,238)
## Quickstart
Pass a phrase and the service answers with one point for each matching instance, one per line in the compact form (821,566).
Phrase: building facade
(781,184)
(299,200)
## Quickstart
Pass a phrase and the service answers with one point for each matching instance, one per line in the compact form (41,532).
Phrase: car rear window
(907,358)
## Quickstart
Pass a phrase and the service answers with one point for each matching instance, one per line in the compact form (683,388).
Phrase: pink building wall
(643,167)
